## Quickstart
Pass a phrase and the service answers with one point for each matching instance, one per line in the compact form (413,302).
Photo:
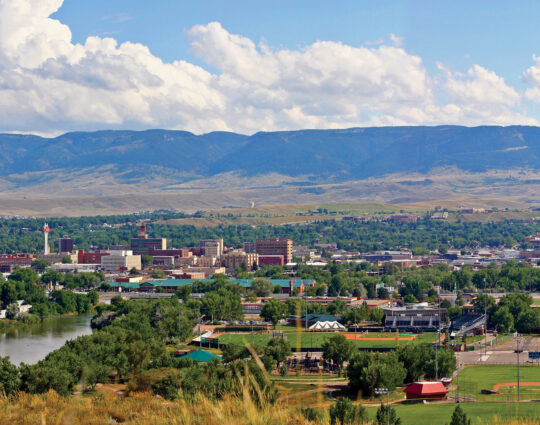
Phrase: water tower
(46,231)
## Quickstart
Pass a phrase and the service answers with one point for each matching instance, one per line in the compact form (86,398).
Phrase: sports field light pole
(380,391)
(439,333)
(305,302)
(485,319)
(355,327)
(518,337)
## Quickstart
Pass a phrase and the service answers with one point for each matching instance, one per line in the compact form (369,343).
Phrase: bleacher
(467,322)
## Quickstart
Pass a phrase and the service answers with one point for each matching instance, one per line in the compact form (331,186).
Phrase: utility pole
(436,362)
(486,320)
(439,333)
(517,353)
(355,327)
(305,302)
(457,395)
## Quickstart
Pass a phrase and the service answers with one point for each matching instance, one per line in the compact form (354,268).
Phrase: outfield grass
(472,379)
(479,413)
(489,375)
(316,339)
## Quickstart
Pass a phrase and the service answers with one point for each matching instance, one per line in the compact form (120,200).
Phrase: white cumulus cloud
(48,84)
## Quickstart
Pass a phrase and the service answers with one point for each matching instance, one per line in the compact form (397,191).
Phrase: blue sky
(266,65)
(500,35)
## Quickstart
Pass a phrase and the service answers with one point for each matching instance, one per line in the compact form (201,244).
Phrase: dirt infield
(514,384)
(360,337)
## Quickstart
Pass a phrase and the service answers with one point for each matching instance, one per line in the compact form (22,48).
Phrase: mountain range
(306,162)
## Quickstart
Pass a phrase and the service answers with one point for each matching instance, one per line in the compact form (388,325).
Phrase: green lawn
(316,339)
(479,413)
(472,379)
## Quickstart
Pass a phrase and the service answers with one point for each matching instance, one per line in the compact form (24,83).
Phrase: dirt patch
(514,384)
(117,389)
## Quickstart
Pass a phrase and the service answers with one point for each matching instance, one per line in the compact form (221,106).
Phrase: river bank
(29,343)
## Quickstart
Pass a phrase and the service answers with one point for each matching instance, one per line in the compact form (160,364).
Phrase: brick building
(275,246)
(237,259)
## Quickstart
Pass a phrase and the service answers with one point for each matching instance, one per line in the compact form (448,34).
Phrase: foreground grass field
(316,339)
(479,413)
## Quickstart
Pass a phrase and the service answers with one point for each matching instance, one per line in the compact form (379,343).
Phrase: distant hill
(351,154)
(110,162)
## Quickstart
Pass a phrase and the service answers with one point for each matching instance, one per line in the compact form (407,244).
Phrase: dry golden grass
(140,409)
(146,409)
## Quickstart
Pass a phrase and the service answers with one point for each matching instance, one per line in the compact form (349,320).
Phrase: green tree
(367,371)
(278,349)
(262,287)
(446,304)
(12,311)
(336,307)
(415,358)
(337,349)
(459,417)
(24,274)
(409,299)
(10,379)
(8,293)
(528,320)
(446,359)
(211,305)
(66,259)
(146,261)
(386,415)
(383,294)
(93,296)
(273,311)
(376,315)
(53,276)
(234,351)
(158,274)
(503,319)
(344,412)
(454,311)
(168,387)
(40,265)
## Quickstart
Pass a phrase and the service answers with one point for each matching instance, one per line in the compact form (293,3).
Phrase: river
(32,343)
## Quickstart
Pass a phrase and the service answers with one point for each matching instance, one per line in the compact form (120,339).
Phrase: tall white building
(119,261)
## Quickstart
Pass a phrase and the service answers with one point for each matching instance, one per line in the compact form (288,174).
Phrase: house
(426,391)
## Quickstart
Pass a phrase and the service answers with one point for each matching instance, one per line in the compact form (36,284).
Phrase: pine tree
(459,417)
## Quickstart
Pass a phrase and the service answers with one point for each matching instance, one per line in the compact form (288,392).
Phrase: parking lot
(502,354)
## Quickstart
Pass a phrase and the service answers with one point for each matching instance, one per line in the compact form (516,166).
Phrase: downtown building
(275,246)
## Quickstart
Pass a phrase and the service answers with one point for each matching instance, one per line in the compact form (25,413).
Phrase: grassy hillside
(145,409)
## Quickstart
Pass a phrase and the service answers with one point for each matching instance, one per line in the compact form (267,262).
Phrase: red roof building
(426,391)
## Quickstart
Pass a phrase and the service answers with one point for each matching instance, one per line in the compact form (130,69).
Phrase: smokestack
(46,231)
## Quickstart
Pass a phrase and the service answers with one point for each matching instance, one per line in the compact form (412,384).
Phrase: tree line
(24,235)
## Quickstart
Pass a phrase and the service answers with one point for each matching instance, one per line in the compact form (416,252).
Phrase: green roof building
(174,284)
(201,356)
